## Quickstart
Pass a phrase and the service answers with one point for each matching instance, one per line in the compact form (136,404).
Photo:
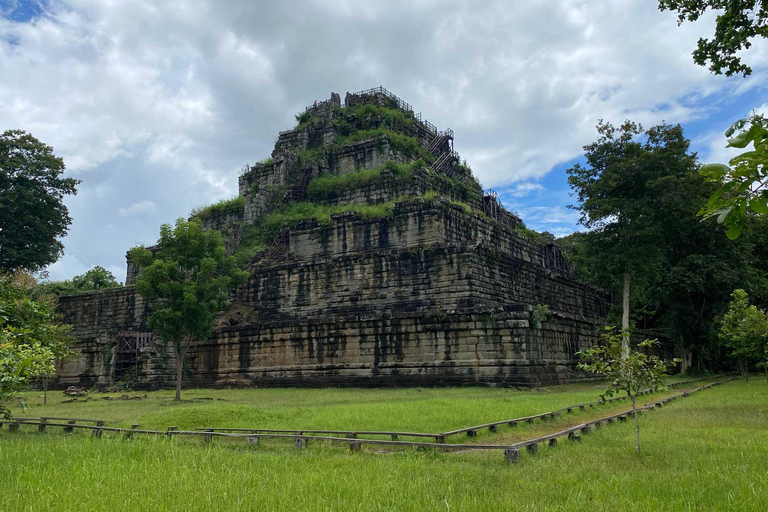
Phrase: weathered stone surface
(430,295)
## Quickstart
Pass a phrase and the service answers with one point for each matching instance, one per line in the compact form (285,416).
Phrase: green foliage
(32,189)
(331,186)
(539,314)
(225,206)
(31,338)
(744,330)
(744,185)
(97,278)
(630,372)
(623,197)
(738,22)
(464,167)
(258,236)
(89,474)
(390,117)
(303,119)
(523,230)
(267,161)
(406,145)
(187,280)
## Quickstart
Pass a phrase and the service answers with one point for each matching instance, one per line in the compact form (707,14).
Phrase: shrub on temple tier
(331,186)
(225,206)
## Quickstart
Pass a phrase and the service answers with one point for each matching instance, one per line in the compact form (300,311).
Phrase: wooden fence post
(511,456)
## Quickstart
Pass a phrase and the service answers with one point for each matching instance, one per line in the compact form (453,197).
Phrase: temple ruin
(402,272)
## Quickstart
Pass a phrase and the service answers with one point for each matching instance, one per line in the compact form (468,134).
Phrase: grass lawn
(705,452)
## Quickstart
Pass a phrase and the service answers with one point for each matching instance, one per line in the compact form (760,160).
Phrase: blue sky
(157,105)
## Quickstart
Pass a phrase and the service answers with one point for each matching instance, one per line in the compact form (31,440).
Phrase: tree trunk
(745,371)
(45,390)
(625,318)
(179,369)
(766,371)
(637,425)
(685,359)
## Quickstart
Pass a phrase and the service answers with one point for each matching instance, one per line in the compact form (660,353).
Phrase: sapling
(629,369)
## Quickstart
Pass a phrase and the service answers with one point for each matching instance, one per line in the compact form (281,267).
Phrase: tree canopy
(620,192)
(187,278)
(32,190)
(738,23)
(689,267)
(97,278)
(745,331)
(31,338)
(743,186)
(631,371)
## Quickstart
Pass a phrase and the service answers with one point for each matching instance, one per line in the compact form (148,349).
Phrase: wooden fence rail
(300,438)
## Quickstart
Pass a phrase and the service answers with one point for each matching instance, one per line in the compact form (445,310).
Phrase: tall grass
(706,452)
(331,186)
(233,205)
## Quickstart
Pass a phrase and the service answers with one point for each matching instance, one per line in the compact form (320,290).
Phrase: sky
(156,106)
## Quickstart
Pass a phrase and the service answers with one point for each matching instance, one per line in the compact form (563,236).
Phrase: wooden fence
(302,437)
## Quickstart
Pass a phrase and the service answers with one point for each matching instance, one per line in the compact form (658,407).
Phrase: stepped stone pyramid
(375,258)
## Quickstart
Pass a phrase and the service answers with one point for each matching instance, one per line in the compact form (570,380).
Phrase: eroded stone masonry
(401,270)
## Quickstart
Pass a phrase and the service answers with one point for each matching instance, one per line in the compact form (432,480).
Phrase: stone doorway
(127,351)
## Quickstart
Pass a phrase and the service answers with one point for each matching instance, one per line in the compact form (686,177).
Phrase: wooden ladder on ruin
(299,191)
(445,160)
(491,204)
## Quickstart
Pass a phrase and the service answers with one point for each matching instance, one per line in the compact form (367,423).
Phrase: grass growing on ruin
(330,186)
(232,205)
(705,452)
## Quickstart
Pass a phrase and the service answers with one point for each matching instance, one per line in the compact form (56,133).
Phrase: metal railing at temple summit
(380,90)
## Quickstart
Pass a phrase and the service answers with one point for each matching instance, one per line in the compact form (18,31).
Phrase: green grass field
(706,452)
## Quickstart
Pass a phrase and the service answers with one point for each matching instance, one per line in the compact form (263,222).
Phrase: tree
(97,278)
(619,192)
(31,199)
(187,279)
(739,22)
(632,372)
(744,184)
(31,338)
(744,330)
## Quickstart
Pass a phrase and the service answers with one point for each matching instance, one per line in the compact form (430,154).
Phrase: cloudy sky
(155,106)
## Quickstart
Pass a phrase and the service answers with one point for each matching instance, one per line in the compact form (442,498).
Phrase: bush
(258,236)
(331,186)
(233,205)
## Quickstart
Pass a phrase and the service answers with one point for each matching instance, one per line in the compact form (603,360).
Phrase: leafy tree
(744,330)
(619,191)
(187,278)
(738,22)
(629,371)
(744,184)
(31,338)
(97,278)
(31,199)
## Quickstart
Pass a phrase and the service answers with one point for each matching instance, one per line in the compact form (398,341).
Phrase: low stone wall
(460,347)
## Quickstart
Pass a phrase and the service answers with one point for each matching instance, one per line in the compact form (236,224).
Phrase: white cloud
(524,189)
(149,101)
(145,207)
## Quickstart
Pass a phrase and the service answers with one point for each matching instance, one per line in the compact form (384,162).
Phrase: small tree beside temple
(745,331)
(187,279)
(630,371)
